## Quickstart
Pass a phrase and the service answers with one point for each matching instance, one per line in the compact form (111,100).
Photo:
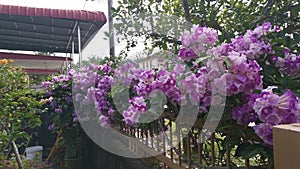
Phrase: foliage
(161,22)
(238,70)
(28,164)
(20,106)
(63,116)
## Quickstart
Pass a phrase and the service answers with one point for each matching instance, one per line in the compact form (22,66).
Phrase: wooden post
(179,141)
(164,139)
(147,137)
(157,138)
(188,147)
(247,164)
(227,156)
(213,150)
(171,141)
(200,146)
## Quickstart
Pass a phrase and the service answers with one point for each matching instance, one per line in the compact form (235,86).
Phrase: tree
(161,21)
(19,111)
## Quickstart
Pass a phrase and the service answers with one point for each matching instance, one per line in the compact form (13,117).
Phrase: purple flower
(65,86)
(69,99)
(286,50)
(195,86)
(49,93)
(248,45)
(273,119)
(58,110)
(46,84)
(138,103)
(264,131)
(111,113)
(244,114)
(242,76)
(264,112)
(290,64)
(179,69)
(71,72)
(187,54)
(174,95)
(4,162)
(273,109)
(266,26)
(51,127)
(75,116)
(274,59)
(104,121)
(287,101)
(78,97)
(131,116)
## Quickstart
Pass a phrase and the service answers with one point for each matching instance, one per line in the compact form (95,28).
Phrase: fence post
(200,148)
(188,147)
(247,164)
(179,141)
(163,139)
(171,140)
(227,156)
(213,149)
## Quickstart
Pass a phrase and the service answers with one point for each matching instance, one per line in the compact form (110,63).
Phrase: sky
(98,46)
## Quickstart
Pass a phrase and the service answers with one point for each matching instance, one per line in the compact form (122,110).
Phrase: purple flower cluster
(145,82)
(138,106)
(244,114)
(196,87)
(103,105)
(104,121)
(243,76)
(92,86)
(56,100)
(274,109)
(187,54)
(197,41)
(51,127)
(289,65)
(106,68)
(232,69)
(271,109)
(58,80)
(84,92)
(165,81)
(127,74)
(249,45)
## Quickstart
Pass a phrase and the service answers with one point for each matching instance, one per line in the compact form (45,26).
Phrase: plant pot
(34,153)
(72,164)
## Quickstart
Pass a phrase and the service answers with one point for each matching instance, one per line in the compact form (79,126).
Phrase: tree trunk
(187,17)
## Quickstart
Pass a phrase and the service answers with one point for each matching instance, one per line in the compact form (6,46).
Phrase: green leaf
(247,151)
(201,59)
(227,62)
